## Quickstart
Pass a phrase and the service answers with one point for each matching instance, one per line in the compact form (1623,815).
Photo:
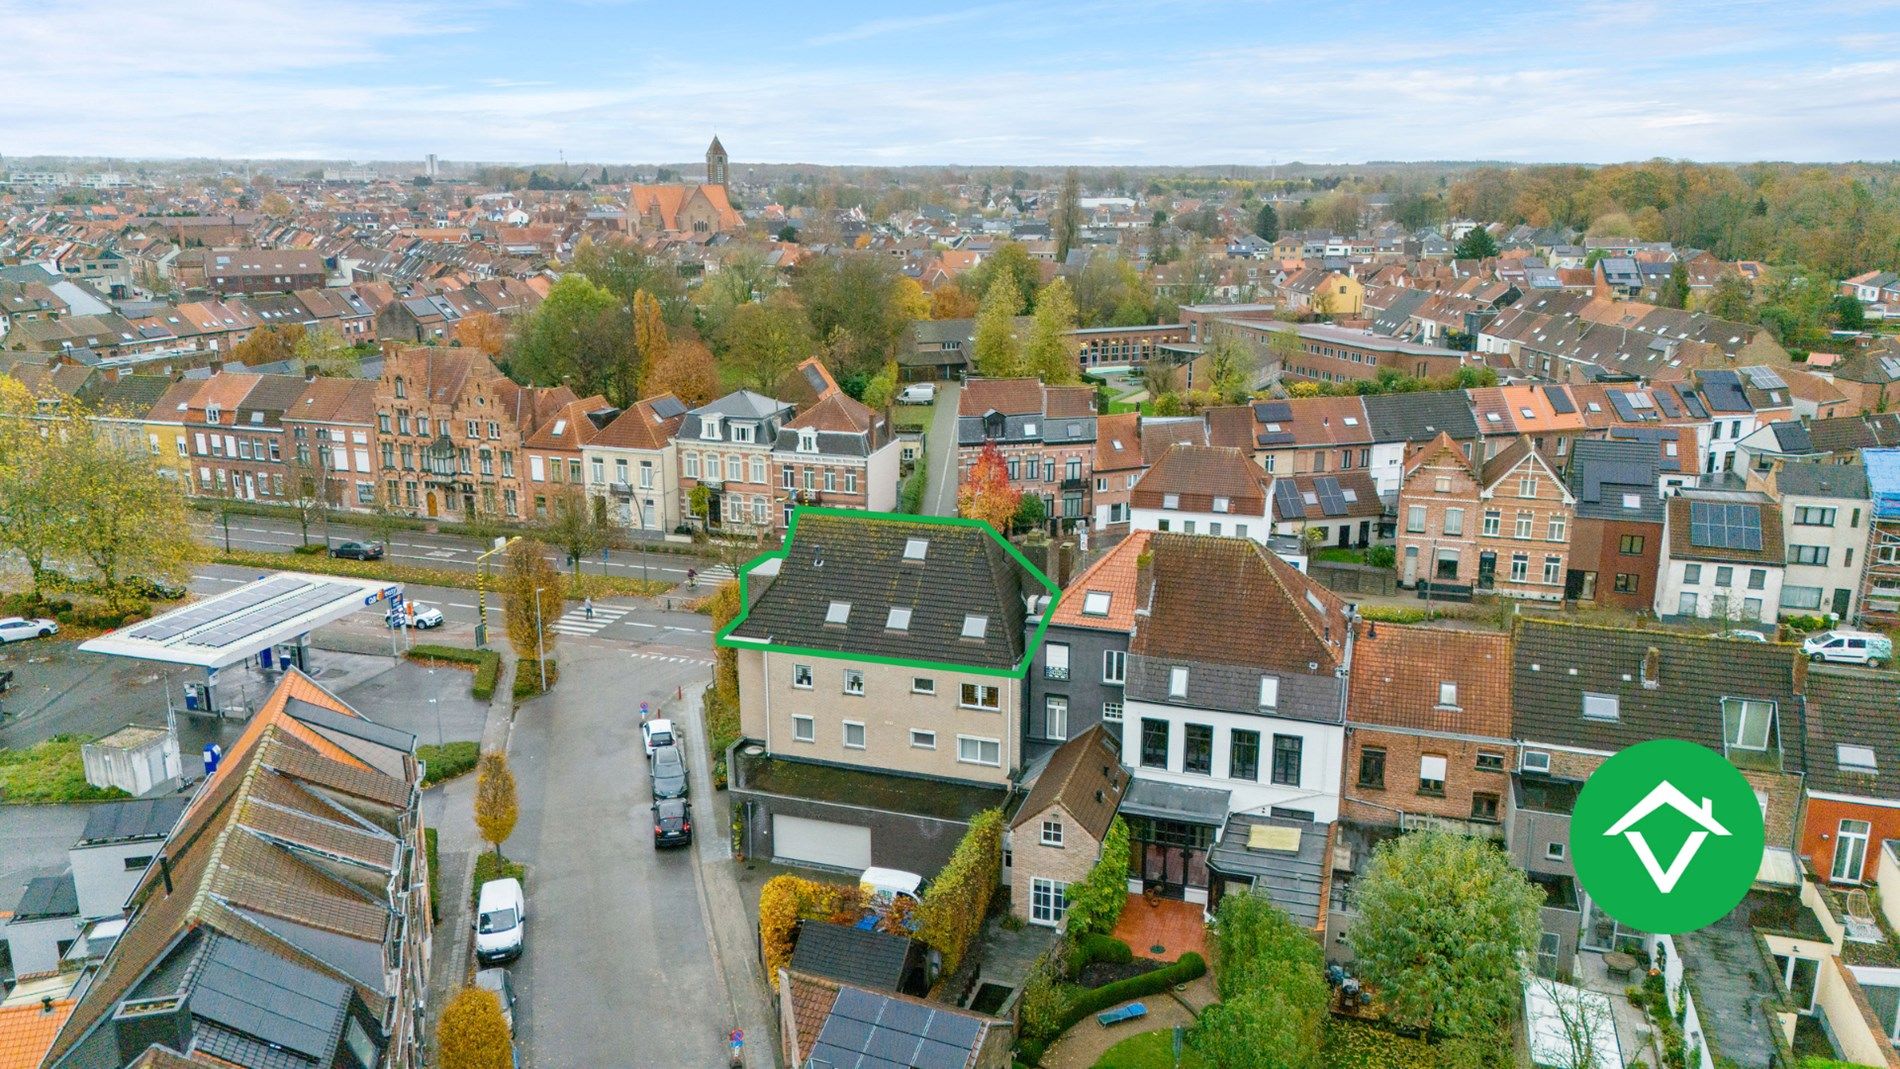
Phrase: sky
(1097,82)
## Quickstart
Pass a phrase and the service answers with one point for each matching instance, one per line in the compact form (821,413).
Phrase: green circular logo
(1666,836)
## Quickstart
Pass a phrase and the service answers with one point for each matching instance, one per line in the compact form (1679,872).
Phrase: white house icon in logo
(1665,793)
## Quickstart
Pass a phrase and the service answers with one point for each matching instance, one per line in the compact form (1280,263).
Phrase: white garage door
(820,842)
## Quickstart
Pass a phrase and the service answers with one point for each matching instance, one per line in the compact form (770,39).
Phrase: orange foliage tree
(687,371)
(786,900)
(950,301)
(484,332)
(986,494)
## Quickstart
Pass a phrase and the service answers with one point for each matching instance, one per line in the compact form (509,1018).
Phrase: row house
(1503,525)
(881,665)
(1397,422)
(633,468)
(298,870)
(227,272)
(726,446)
(1616,538)
(555,451)
(1826,516)
(1867,378)
(1046,435)
(1547,415)
(450,427)
(1739,402)
(1722,558)
(1118,466)
(1200,489)
(1341,510)
(837,452)
(1580,694)
(1311,435)
(1853,802)
(1078,676)
(330,432)
(233,424)
(1219,725)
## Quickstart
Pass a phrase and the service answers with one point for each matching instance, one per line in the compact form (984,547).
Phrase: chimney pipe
(165,872)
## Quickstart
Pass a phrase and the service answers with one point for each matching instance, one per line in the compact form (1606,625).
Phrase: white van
(1850,647)
(883,887)
(501,918)
(918,393)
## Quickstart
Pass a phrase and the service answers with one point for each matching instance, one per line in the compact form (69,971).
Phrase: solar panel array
(245,611)
(1715,525)
(190,618)
(1763,377)
(1331,501)
(268,616)
(871,1031)
(1272,411)
(1560,399)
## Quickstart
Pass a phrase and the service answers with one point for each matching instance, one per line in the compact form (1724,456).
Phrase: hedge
(1089,949)
(447,761)
(490,865)
(1096,901)
(528,677)
(1191,966)
(910,496)
(487,663)
(435,874)
(390,572)
(957,901)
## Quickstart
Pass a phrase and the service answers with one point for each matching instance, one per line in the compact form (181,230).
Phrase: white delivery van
(501,918)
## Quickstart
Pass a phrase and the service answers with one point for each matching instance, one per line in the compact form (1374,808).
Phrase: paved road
(272,534)
(619,967)
(941,496)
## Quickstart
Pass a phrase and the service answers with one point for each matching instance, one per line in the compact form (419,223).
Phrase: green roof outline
(791,531)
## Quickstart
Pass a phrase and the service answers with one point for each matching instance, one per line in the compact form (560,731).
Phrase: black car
(357,550)
(672,823)
(669,774)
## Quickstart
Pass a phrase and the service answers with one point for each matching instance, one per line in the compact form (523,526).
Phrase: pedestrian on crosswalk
(587,606)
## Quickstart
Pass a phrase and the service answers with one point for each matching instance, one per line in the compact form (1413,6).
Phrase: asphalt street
(271,534)
(619,968)
(941,452)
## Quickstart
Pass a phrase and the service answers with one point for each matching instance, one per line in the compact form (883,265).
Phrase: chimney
(310,372)
(1652,668)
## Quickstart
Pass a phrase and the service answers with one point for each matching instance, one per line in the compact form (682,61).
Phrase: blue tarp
(1883,479)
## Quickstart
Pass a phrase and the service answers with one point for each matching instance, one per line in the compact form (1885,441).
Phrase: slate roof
(860,560)
(1295,880)
(1555,664)
(143,818)
(1603,474)
(47,896)
(1396,672)
(1419,417)
(851,955)
(133,395)
(1085,776)
(1027,411)
(1845,481)
(1679,528)
(1853,707)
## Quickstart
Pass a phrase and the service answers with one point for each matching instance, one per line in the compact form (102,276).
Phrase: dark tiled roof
(1555,665)
(1603,473)
(860,561)
(1419,417)
(859,956)
(1853,708)
(1846,481)
(1085,775)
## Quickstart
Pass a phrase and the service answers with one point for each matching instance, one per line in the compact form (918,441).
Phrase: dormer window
(1745,723)
(808,441)
(898,619)
(709,428)
(1177,682)
(1095,603)
(1632,501)
(742,432)
(838,612)
(1222,504)
(1029,429)
(213,413)
(975,626)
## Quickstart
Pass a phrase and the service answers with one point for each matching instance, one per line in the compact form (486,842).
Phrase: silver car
(503,985)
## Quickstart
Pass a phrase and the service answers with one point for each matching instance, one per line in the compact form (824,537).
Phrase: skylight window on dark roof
(916,548)
(838,612)
(975,626)
(898,619)
(1857,759)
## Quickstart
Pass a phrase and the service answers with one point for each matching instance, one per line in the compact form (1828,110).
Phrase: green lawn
(447,761)
(1149,1050)
(51,771)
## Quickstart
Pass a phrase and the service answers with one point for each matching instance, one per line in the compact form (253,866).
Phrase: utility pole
(540,642)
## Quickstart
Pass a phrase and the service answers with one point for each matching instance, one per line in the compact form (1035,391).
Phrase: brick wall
(1463,779)
(1069,863)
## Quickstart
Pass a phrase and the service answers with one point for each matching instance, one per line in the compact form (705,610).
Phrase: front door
(433,507)
(1164,868)
(1842,596)
(1487,569)
(1411,565)
(1345,535)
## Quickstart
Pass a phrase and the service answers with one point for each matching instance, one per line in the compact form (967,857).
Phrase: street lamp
(540,642)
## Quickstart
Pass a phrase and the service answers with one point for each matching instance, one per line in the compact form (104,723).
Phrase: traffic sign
(392,593)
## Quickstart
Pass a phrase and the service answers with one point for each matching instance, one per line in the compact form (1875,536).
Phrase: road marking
(575,621)
(458,604)
(636,623)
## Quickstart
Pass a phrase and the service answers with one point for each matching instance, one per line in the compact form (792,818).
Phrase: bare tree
(1581,1017)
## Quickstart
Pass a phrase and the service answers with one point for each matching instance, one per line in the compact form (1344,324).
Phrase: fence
(1662,949)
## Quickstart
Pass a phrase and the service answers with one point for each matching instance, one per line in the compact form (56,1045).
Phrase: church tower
(716,163)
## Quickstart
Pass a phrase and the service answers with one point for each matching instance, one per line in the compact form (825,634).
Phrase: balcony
(1055,671)
(1075,484)
(620,490)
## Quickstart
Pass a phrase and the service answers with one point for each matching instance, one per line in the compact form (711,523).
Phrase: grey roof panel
(354,726)
(143,818)
(1290,879)
(852,955)
(1848,481)
(259,994)
(48,896)
(1175,801)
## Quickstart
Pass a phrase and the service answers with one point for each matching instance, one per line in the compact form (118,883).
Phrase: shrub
(311,550)
(434,858)
(487,664)
(447,761)
(958,900)
(1105,948)
(910,496)
(50,771)
(786,900)
(1394,614)
(492,866)
(528,678)
(1381,556)
(722,730)
(1274,995)
(1095,903)
(1095,1000)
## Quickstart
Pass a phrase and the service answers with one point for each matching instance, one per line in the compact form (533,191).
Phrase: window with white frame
(838,612)
(854,681)
(1111,712)
(1048,901)
(923,685)
(1051,832)
(1055,717)
(804,729)
(1055,663)
(1745,723)
(1448,694)
(1603,707)
(972,750)
(801,676)
(923,740)
(1269,692)
(853,735)
(1114,666)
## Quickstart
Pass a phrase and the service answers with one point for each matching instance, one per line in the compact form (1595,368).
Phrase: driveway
(620,966)
(941,497)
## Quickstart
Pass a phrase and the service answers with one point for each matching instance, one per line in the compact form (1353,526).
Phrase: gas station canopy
(227,628)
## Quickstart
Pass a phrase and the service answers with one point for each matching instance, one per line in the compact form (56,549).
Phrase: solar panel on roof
(1559,399)
(267,616)
(1276,438)
(1764,378)
(1667,402)
(1718,525)
(1331,502)
(176,623)
(1272,410)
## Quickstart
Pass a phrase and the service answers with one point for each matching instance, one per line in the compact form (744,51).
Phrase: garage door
(820,842)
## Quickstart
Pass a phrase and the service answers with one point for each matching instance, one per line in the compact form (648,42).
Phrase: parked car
(918,393)
(427,617)
(669,774)
(357,550)
(672,823)
(1849,647)
(1741,634)
(501,920)
(655,734)
(20,628)
(498,981)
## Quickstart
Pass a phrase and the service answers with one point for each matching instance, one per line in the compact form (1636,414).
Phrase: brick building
(1045,433)
(1502,527)
(1099,347)
(233,271)
(1853,799)
(726,446)
(1322,352)
(1616,540)
(554,450)
(234,426)
(331,428)
(1056,837)
(1428,728)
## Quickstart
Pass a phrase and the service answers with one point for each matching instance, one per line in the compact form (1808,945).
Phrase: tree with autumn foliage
(986,493)
(496,807)
(950,301)
(688,372)
(471,1033)
(650,335)
(484,332)
(268,345)
(1050,354)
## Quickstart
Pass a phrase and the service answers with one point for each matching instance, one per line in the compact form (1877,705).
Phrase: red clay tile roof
(1396,672)
(1198,474)
(26,1032)
(1211,599)
(1158,436)
(1114,575)
(1012,397)
(1118,442)
(640,428)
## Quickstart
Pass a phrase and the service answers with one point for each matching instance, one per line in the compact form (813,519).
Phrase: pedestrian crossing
(575,622)
(715,575)
(670,658)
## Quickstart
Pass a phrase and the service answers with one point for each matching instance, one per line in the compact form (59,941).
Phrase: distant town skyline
(1101,82)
